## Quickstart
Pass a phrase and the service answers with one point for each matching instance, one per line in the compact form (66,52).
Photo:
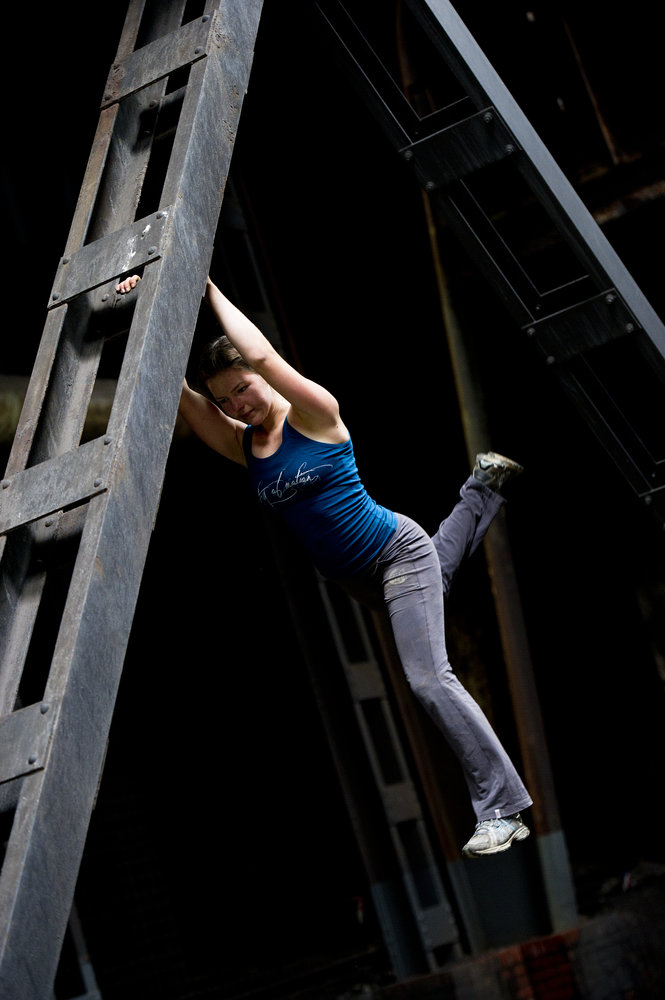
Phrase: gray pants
(408,577)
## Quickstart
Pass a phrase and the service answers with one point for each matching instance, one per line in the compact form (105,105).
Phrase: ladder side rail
(221,94)
(35,395)
(485,247)
(134,19)
(25,575)
(69,389)
(52,815)
(376,87)
(18,609)
(22,586)
(634,462)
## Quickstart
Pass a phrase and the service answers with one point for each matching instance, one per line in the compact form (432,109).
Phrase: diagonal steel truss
(479,158)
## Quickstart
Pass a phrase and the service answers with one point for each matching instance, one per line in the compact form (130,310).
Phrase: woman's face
(241,394)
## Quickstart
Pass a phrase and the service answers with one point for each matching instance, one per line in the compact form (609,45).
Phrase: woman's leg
(460,534)
(412,591)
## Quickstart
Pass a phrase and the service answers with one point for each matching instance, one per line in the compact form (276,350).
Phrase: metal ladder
(76,516)
(481,162)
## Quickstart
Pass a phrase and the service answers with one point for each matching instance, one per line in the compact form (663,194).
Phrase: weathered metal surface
(60,482)
(156,60)
(97,263)
(109,542)
(24,739)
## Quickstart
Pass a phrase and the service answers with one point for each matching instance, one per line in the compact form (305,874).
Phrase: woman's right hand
(127,284)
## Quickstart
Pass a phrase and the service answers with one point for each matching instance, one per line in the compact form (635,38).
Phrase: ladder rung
(24,740)
(57,483)
(365,680)
(156,60)
(438,927)
(475,142)
(400,802)
(113,255)
(582,327)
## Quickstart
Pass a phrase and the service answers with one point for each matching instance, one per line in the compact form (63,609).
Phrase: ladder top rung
(157,59)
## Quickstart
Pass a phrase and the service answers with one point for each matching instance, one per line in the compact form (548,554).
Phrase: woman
(288,432)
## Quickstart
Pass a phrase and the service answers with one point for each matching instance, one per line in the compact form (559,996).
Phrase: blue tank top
(316,488)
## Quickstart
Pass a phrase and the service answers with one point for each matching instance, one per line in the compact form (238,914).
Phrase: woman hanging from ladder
(287,431)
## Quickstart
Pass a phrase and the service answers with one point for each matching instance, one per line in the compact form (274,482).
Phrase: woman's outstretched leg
(460,534)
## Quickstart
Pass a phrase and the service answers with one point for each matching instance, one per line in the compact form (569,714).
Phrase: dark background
(221,859)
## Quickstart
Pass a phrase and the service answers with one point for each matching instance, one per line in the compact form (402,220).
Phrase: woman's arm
(221,433)
(315,408)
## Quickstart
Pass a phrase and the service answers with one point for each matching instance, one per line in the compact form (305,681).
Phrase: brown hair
(217,356)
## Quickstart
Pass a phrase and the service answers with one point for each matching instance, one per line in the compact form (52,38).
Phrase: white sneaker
(495,835)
